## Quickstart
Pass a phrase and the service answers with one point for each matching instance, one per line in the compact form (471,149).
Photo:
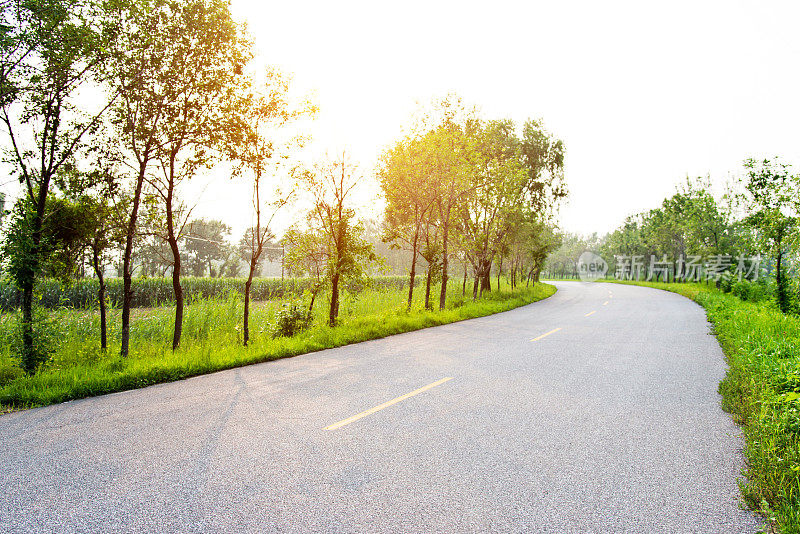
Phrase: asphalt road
(610,424)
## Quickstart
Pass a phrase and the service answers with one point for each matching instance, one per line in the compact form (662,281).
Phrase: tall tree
(409,203)
(332,227)
(51,49)
(771,194)
(259,145)
(175,64)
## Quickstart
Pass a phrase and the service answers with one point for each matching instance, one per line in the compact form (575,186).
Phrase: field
(212,338)
(762,391)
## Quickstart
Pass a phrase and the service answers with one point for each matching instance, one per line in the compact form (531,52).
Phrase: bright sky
(641,93)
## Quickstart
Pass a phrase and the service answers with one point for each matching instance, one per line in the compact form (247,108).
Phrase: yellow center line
(386,404)
(590,313)
(605,303)
(545,335)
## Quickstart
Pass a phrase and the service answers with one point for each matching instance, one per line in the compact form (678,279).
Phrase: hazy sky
(641,93)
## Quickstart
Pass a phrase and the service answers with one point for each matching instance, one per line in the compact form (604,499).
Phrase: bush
(45,341)
(9,371)
(291,319)
(752,291)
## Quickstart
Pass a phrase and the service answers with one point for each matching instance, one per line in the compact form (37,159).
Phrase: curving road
(608,422)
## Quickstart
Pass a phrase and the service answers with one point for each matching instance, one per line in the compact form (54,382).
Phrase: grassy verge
(762,391)
(212,340)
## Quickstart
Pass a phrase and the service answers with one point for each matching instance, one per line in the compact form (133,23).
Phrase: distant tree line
(694,236)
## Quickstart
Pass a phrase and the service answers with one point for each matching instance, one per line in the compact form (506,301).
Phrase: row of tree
(108,108)
(111,106)
(472,189)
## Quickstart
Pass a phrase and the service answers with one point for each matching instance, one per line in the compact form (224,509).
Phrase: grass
(212,340)
(762,391)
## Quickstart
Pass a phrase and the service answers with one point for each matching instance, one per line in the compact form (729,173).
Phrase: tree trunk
(28,357)
(485,276)
(428,288)
(780,283)
(172,239)
(127,291)
(475,285)
(334,311)
(178,290)
(443,293)
(246,318)
(413,273)
(499,271)
(28,360)
(311,305)
(464,283)
(101,295)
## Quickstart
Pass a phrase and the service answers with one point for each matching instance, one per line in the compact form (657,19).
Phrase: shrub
(291,319)
(9,371)
(752,291)
(45,341)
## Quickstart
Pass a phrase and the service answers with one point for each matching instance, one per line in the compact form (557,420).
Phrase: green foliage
(46,337)
(291,319)
(20,261)
(752,291)
(9,371)
(205,244)
(772,200)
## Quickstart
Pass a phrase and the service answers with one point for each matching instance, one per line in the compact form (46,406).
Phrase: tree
(102,212)
(308,255)
(332,234)
(63,226)
(176,65)
(409,202)
(771,195)
(263,109)
(500,186)
(531,241)
(50,50)
(453,148)
(206,243)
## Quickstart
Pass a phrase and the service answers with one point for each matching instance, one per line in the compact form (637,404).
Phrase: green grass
(212,340)
(762,391)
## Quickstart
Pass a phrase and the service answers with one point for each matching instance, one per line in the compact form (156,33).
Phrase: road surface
(595,410)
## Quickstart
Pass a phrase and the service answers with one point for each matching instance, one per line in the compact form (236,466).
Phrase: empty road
(595,410)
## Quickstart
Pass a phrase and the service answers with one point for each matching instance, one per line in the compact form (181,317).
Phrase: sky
(643,94)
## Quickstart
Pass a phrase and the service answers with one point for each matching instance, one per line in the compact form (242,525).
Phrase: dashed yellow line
(386,404)
(605,303)
(590,313)
(546,334)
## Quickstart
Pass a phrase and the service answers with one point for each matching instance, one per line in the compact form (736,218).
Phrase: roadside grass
(212,339)
(762,391)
